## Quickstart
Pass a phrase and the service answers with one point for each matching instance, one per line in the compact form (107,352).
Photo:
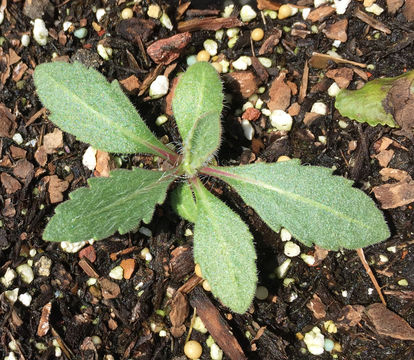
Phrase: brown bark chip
(134,28)
(10,184)
(243,81)
(209,23)
(178,314)
(41,156)
(7,122)
(109,289)
(17,153)
(320,13)
(337,30)
(56,189)
(44,325)
(394,5)
(131,84)
(408,10)
(317,307)
(23,169)
(270,42)
(53,141)
(389,323)
(394,195)
(342,76)
(268,5)
(165,51)
(279,94)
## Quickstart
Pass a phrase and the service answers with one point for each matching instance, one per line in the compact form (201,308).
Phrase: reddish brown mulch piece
(109,289)
(389,323)
(89,253)
(342,76)
(251,114)
(17,153)
(270,42)
(53,141)
(337,30)
(44,325)
(408,10)
(279,93)
(267,5)
(41,156)
(394,5)
(376,24)
(10,184)
(209,23)
(128,265)
(350,315)
(131,84)
(317,307)
(23,169)
(320,13)
(394,195)
(243,81)
(178,314)
(165,51)
(8,124)
(216,325)
(56,188)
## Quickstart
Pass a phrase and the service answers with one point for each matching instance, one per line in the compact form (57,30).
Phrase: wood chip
(408,10)
(342,76)
(170,96)
(165,51)
(56,188)
(216,325)
(294,109)
(321,61)
(376,24)
(17,153)
(19,71)
(131,84)
(304,83)
(389,323)
(270,42)
(136,29)
(181,262)
(8,123)
(210,23)
(178,314)
(181,9)
(279,93)
(88,268)
(10,184)
(350,316)
(41,156)
(103,164)
(128,265)
(243,81)
(396,174)
(317,307)
(268,5)
(53,141)
(337,30)
(44,326)
(394,5)
(320,13)
(394,195)
(109,289)
(88,253)
(23,169)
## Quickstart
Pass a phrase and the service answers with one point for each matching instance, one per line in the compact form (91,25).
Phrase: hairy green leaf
(198,92)
(116,203)
(203,140)
(315,206)
(224,249)
(371,103)
(83,103)
(183,203)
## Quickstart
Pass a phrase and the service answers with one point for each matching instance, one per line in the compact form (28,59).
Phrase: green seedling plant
(314,205)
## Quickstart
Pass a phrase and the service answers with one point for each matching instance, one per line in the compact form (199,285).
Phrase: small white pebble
(25,299)
(227,11)
(247,129)
(305,13)
(262,293)
(285,235)
(266,62)
(341,6)
(17,138)
(247,13)
(43,266)
(232,32)
(25,272)
(117,273)
(392,249)
(166,21)
(291,249)
(224,65)
(70,247)
(344,293)
(145,254)
(58,351)
(334,89)
(9,276)
(91,281)
(308,259)
(266,112)
(162,119)
(188,232)
(383,258)
(403,282)
(66,25)
(219,35)
(162,333)
(322,139)
(105,52)
(282,269)
(281,120)
(292,297)
(317,3)
(1,16)
(13,345)
(11,295)
(319,108)
(288,281)
(314,341)
(80,33)
(40,32)
(25,40)
(259,104)
(370,291)
(154,11)
(127,13)
(215,352)
(247,105)
(89,158)
(342,124)
(337,43)
(232,41)
(199,325)
(211,47)
(159,87)
(242,63)
(11,355)
(100,13)
(375,9)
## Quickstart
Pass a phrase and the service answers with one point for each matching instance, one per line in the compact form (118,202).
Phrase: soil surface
(73,309)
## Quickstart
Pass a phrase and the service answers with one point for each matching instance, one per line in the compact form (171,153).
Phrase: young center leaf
(223,246)
(315,206)
(83,103)
(183,203)
(197,106)
(116,203)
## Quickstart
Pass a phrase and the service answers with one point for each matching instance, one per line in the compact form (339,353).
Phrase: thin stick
(371,274)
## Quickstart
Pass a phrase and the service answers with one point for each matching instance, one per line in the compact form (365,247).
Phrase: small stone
(100,13)
(193,349)
(145,231)
(70,247)
(25,299)
(26,273)
(286,11)
(392,249)
(9,276)
(281,120)
(227,11)
(330,327)
(291,249)
(232,32)
(285,235)
(403,282)
(242,63)
(282,269)
(159,87)
(160,120)
(215,352)
(314,341)
(199,325)
(247,129)
(206,286)
(247,13)
(17,138)
(67,25)
(154,11)
(203,55)
(341,6)
(319,108)
(211,47)
(89,158)
(43,266)
(105,52)
(11,295)
(166,21)
(117,273)
(266,62)
(128,266)
(80,33)
(262,293)
(308,259)
(328,345)
(25,40)
(127,13)
(40,32)
(334,89)
(375,9)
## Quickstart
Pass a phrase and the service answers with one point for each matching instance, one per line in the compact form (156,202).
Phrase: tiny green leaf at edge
(223,247)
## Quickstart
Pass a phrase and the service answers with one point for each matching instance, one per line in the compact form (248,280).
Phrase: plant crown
(314,205)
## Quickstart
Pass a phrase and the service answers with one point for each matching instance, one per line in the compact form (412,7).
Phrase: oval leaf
(223,246)
(83,103)
(183,203)
(116,203)
(315,206)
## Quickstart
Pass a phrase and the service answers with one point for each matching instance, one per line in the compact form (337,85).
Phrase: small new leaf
(224,249)
(198,92)
(315,206)
(116,203)
(183,203)
(83,103)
